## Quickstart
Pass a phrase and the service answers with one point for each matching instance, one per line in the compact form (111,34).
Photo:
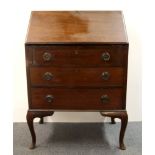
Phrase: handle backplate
(49,98)
(106,56)
(105,75)
(47,56)
(47,76)
(105,98)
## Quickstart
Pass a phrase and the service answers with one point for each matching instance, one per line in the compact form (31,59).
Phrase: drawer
(71,77)
(105,55)
(74,99)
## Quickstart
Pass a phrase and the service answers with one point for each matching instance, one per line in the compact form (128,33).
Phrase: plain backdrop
(139,19)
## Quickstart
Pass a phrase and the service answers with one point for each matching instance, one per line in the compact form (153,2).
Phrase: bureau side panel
(28,60)
(125,49)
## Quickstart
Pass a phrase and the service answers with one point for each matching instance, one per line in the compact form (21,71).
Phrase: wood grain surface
(48,27)
(75,77)
(76,99)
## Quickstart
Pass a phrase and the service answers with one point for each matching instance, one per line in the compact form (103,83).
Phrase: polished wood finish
(76,26)
(78,55)
(79,99)
(72,77)
(76,61)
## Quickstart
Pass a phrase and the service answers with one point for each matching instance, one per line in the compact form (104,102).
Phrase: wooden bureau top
(55,27)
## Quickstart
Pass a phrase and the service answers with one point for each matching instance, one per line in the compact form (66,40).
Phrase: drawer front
(71,77)
(110,55)
(76,99)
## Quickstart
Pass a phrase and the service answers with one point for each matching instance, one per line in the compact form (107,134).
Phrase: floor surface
(77,139)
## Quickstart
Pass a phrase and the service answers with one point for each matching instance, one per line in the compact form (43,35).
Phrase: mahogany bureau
(77,61)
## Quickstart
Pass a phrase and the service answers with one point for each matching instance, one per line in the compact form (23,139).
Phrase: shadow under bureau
(77,61)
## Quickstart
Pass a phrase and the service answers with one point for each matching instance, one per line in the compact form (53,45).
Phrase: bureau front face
(77,77)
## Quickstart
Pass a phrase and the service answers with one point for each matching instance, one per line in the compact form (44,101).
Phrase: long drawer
(74,99)
(103,55)
(72,77)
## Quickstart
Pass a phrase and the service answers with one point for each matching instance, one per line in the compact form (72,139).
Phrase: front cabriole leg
(123,116)
(30,117)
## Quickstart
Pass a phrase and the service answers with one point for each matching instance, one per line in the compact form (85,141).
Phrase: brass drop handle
(105,98)
(49,98)
(47,76)
(105,75)
(47,56)
(106,56)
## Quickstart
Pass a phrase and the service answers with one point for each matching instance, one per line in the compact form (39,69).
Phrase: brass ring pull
(105,75)
(106,56)
(47,56)
(49,98)
(105,98)
(47,76)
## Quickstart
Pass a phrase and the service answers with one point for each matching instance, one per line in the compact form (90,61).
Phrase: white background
(14,16)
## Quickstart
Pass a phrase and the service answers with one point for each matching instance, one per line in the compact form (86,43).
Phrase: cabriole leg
(41,120)
(113,120)
(30,117)
(123,116)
